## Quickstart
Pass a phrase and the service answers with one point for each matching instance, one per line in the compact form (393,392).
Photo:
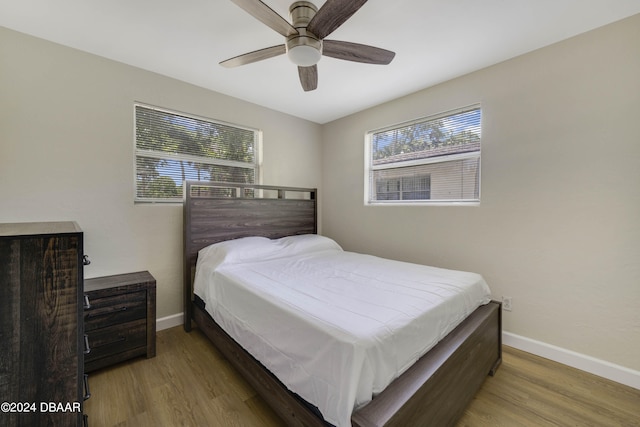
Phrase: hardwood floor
(189,383)
(531,391)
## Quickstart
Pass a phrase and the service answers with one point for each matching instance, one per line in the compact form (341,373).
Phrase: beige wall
(66,153)
(558,227)
(558,224)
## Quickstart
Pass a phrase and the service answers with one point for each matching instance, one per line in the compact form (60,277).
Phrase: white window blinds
(434,159)
(171,147)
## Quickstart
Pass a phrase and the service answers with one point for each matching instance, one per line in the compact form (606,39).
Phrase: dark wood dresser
(119,318)
(41,345)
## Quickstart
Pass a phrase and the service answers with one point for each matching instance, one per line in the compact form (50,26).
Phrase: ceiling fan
(304,37)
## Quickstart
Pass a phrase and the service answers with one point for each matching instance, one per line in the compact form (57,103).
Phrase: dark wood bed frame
(434,392)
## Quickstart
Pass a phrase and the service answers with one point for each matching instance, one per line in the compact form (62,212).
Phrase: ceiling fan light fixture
(304,55)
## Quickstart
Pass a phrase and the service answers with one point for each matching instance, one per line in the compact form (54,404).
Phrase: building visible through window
(435,159)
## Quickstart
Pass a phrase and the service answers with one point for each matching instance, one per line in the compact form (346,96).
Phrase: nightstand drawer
(111,310)
(116,339)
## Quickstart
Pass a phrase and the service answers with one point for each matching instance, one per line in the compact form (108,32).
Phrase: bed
(434,390)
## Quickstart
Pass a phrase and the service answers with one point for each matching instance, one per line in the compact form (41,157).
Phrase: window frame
(369,181)
(146,153)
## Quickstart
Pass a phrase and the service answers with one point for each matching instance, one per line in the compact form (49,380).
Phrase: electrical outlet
(506,303)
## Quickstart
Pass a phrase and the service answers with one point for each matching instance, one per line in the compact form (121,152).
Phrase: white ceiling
(434,41)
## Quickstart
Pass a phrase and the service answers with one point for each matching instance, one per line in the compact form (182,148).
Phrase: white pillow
(235,251)
(255,248)
(306,243)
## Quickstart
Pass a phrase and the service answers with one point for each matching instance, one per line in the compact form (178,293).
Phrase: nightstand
(119,318)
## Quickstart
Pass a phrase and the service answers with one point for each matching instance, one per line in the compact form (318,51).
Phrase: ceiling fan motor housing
(303,49)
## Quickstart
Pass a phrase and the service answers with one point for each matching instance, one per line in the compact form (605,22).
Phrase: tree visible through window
(172,147)
(432,159)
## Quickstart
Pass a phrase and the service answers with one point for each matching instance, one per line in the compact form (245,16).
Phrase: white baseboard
(169,321)
(598,367)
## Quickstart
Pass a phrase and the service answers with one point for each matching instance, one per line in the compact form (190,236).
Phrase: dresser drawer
(116,339)
(115,309)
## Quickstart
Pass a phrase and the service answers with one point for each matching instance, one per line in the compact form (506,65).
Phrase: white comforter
(335,327)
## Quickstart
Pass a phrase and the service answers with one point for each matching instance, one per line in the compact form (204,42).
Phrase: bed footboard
(434,391)
(440,385)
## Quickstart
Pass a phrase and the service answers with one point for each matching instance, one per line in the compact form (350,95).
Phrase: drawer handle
(87,349)
(87,304)
(87,392)
(117,310)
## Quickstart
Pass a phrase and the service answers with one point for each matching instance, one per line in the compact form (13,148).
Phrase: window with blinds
(171,147)
(431,160)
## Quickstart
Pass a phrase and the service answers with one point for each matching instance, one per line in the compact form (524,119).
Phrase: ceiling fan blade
(255,56)
(267,16)
(331,15)
(308,77)
(356,52)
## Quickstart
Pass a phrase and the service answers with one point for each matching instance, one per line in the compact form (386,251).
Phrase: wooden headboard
(215,212)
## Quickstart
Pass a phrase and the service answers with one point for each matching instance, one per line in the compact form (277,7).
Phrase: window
(403,187)
(171,147)
(430,160)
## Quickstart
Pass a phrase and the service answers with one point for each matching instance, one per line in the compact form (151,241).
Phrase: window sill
(424,203)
